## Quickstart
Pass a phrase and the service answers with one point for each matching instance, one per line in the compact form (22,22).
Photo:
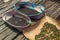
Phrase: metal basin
(32,10)
(16,19)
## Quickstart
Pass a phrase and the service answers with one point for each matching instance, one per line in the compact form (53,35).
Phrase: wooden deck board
(52,8)
(11,36)
(3,26)
(48,4)
(4,29)
(19,37)
(56,13)
(5,33)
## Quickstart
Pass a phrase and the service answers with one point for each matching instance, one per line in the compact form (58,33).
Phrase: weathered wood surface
(9,33)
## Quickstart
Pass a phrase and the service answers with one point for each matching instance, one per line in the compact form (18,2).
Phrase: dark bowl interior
(29,12)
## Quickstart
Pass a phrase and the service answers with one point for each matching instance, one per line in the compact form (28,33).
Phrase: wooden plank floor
(9,33)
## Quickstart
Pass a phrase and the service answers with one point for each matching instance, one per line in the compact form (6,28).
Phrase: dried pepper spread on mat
(48,32)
